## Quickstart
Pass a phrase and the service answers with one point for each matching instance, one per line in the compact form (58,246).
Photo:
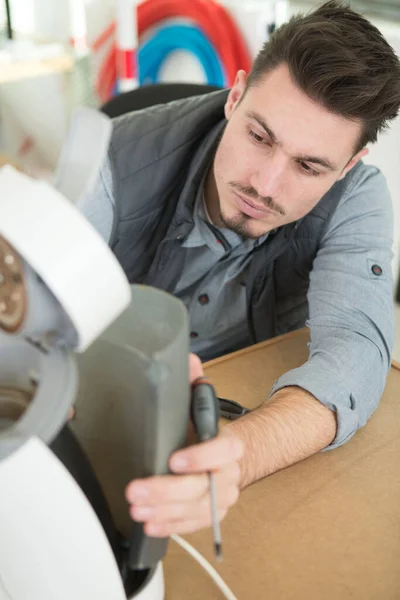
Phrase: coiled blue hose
(169,38)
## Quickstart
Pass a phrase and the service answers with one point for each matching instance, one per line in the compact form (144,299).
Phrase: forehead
(299,123)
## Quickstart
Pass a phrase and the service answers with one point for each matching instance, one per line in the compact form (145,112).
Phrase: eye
(258,138)
(309,170)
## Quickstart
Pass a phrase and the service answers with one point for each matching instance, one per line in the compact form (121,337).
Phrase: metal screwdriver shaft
(215,520)
(205,414)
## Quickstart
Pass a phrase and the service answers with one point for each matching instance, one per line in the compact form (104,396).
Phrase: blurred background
(55,56)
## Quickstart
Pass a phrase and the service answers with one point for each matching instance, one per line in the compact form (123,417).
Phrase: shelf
(16,70)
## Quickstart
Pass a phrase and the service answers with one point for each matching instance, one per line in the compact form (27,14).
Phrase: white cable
(206,566)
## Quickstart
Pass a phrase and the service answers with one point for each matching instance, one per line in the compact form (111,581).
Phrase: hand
(177,504)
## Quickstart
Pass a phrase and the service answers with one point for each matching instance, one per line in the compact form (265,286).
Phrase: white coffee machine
(62,295)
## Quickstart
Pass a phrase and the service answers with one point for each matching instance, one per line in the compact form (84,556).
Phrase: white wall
(22,15)
(47,19)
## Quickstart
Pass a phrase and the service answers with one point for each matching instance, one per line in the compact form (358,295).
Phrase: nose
(268,178)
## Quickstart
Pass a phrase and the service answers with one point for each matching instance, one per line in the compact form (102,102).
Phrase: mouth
(251,209)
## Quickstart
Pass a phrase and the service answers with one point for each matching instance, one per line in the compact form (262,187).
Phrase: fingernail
(139,492)
(178,463)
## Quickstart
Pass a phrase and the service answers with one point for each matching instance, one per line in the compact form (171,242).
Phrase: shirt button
(193,335)
(203,299)
(377,270)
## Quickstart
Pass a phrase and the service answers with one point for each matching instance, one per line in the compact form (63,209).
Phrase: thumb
(195,367)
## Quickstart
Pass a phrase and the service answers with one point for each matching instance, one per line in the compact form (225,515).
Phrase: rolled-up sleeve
(350,300)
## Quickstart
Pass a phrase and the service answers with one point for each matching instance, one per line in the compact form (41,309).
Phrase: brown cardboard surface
(324,529)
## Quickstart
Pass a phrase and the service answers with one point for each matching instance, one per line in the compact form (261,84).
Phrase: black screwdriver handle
(204,409)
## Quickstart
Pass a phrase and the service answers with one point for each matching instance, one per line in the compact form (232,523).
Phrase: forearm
(289,427)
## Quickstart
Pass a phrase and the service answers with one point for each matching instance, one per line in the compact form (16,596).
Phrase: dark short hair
(340,60)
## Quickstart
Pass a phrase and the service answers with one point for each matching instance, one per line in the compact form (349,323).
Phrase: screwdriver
(205,415)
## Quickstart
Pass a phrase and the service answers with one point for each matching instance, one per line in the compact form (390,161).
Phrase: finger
(166,488)
(207,456)
(179,527)
(195,367)
(165,513)
(227,495)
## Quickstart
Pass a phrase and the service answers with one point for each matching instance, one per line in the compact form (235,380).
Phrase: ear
(353,161)
(236,93)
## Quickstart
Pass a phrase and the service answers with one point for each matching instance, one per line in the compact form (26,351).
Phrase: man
(255,209)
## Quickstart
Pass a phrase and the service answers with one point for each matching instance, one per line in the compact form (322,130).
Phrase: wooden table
(325,529)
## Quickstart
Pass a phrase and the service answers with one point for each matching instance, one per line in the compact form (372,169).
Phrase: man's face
(279,154)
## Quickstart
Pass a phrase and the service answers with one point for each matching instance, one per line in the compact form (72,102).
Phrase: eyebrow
(324,162)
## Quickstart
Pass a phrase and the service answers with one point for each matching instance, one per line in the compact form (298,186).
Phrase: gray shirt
(213,285)
(213,278)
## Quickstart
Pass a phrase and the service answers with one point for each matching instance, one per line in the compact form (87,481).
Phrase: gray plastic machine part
(48,380)
(133,403)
